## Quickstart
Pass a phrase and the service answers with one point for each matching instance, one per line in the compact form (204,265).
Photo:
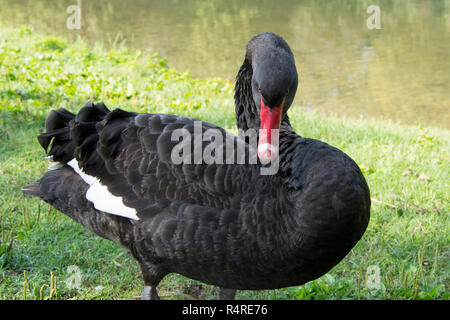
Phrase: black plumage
(222,223)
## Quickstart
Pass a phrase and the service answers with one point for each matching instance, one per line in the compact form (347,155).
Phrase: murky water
(401,71)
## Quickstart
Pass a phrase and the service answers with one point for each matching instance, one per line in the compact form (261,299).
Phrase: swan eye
(287,92)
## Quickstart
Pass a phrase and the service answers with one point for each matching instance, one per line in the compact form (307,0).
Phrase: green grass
(407,238)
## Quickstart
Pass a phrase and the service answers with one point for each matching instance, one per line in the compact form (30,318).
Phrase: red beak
(269,132)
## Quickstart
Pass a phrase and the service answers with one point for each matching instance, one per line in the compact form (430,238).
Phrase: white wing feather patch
(100,196)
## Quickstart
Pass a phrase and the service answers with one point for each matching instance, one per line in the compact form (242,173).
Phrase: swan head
(274,84)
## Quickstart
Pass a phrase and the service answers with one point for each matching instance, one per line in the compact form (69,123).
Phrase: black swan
(222,223)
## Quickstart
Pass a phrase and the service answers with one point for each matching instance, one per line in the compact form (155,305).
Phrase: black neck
(246,110)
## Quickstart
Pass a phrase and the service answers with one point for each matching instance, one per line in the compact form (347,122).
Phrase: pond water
(400,71)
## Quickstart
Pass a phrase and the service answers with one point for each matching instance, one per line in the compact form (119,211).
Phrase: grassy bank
(406,167)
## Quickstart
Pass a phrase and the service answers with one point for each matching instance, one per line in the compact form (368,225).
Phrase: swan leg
(149,293)
(152,275)
(227,294)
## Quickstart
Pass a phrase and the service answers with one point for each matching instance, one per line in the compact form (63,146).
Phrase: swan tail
(65,190)
(32,189)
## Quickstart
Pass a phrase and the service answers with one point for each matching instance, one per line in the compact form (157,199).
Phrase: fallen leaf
(419,226)
(423,176)
(407,172)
